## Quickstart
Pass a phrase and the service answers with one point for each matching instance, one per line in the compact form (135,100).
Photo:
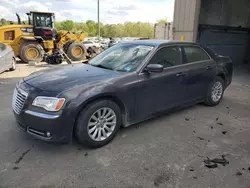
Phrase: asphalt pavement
(165,152)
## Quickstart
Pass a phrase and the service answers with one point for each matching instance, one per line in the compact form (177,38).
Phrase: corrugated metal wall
(228,43)
(225,27)
(232,13)
(188,14)
(185,22)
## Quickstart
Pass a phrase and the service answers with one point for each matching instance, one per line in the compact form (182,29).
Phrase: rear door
(201,71)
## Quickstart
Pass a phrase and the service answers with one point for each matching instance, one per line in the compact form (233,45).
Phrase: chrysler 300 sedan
(126,84)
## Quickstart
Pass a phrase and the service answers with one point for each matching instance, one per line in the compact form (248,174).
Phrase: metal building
(223,25)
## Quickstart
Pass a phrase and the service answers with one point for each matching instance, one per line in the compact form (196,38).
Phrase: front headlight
(49,103)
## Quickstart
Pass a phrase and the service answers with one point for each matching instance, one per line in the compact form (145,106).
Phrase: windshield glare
(122,57)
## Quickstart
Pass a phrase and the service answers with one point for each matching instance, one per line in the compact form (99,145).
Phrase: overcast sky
(111,11)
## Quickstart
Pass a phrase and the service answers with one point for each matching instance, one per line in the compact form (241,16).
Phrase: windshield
(122,57)
(43,20)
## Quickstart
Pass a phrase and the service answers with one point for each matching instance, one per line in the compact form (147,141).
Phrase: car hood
(65,77)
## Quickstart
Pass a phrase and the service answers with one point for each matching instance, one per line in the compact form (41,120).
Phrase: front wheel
(215,92)
(98,123)
(76,51)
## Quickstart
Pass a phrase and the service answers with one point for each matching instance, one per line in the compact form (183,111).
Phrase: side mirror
(154,68)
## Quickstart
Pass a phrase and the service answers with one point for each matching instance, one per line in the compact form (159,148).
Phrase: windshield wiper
(102,66)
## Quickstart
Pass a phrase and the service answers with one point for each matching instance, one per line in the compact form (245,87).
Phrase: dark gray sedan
(7,58)
(126,84)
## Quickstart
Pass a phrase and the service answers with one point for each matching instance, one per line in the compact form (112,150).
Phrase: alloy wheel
(101,124)
(217,91)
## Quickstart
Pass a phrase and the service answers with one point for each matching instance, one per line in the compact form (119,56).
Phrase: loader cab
(43,24)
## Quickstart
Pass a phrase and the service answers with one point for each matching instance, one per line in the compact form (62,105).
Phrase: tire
(37,48)
(76,55)
(210,99)
(85,123)
(13,66)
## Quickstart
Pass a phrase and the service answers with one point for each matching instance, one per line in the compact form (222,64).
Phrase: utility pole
(98,18)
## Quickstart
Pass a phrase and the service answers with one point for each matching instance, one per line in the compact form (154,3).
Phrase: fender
(28,38)
(224,69)
(67,44)
(38,39)
(96,92)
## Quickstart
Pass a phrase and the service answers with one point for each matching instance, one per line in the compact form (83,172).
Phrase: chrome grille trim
(18,100)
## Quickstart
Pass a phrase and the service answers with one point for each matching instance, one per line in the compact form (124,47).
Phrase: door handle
(181,74)
(209,67)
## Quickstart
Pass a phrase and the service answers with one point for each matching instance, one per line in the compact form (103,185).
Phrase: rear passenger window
(194,54)
(167,57)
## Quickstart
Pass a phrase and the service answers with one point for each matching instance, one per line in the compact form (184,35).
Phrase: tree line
(128,29)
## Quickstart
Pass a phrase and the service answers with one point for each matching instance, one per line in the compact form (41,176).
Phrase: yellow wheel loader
(39,40)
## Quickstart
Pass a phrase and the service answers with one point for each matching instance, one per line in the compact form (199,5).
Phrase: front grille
(19,97)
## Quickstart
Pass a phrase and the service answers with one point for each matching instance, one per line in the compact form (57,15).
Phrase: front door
(201,70)
(160,91)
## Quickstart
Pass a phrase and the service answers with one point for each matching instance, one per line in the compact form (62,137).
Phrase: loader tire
(31,52)
(76,51)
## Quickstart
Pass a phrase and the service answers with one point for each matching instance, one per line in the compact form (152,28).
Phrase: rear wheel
(76,51)
(98,123)
(31,52)
(215,92)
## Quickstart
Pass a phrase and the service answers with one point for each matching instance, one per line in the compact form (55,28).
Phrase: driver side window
(167,57)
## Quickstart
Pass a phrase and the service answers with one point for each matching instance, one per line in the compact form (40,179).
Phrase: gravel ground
(166,152)
(24,69)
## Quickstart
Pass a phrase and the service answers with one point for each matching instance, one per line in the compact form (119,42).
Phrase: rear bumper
(50,128)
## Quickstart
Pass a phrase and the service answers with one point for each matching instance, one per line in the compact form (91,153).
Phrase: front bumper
(48,127)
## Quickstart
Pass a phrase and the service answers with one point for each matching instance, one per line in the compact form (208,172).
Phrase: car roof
(157,42)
